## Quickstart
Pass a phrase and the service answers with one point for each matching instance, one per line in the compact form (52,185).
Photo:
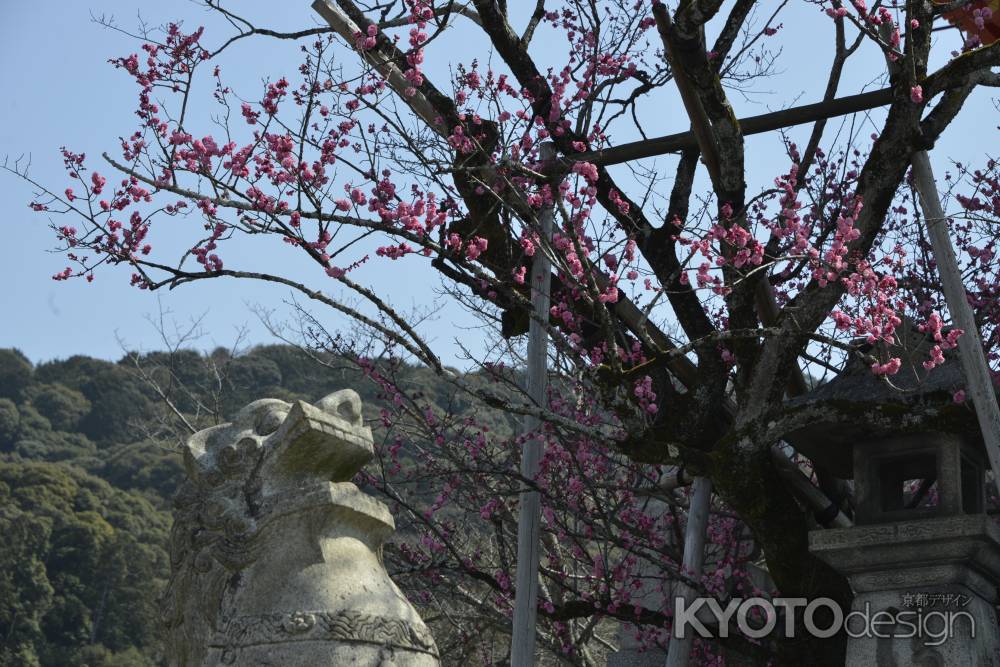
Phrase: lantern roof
(858,405)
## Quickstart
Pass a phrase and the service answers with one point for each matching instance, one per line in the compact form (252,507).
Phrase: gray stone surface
(892,565)
(276,555)
(955,464)
(637,658)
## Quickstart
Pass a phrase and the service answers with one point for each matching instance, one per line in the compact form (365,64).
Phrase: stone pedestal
(938,574)
(632,657)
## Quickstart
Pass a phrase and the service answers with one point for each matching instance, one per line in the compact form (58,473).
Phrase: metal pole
(970,347)
(522,646)
(694,555)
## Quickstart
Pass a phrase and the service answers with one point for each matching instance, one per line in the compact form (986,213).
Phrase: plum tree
(686,307)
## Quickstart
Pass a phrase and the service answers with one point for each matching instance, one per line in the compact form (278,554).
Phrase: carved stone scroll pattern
(344,626)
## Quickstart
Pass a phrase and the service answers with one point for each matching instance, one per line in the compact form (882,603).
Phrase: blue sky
(59,90)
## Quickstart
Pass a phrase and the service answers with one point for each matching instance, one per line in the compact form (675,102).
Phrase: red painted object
(977,19)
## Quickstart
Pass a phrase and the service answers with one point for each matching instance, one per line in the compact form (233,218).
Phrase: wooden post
(775,120)
(694,555)
(522,646)
(970,347)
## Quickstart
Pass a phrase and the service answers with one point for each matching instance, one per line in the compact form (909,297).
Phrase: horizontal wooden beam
(775,120)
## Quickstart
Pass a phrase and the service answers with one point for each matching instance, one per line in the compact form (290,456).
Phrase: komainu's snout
(328,440)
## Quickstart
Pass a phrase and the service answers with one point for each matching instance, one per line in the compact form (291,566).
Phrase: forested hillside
(89,461)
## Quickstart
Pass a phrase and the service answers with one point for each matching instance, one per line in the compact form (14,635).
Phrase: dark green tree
(62,406)
(73,372)
(248,378)
(26,593)
(15,373)
(75,448)
(32,423)
(151,468)
(119,405)
(81,567)
(10,420)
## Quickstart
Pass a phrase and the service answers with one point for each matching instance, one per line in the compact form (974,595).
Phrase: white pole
(679,649)
(977,374)
(522,646)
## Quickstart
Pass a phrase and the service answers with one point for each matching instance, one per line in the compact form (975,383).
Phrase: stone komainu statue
(276,557)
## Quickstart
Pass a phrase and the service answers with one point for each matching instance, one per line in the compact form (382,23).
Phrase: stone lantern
(918,476)
(923,557)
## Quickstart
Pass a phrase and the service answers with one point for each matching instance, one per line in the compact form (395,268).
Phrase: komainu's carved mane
(216,522)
